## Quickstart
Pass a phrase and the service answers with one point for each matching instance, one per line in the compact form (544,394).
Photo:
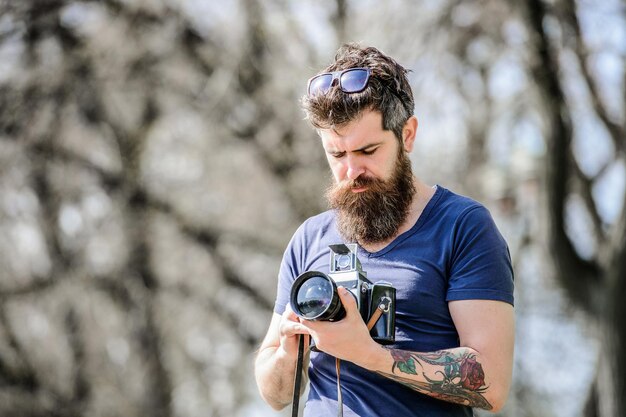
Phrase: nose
(354,168)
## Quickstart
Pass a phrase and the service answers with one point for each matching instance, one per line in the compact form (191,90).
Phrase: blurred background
(154,163)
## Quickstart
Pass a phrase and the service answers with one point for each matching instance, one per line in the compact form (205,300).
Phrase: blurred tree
(571,67)
(143,212)
(154,163)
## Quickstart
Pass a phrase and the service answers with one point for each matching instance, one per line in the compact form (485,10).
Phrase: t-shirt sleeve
(289,269)
(480,265)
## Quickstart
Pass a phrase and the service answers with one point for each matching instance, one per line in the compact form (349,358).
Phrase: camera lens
(314,297)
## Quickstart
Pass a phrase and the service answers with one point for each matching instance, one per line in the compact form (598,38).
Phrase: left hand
(346,339)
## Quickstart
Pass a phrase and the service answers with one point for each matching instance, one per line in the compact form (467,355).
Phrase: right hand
(290,328)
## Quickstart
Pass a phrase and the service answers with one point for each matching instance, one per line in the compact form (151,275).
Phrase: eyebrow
(366,147)
(361,149)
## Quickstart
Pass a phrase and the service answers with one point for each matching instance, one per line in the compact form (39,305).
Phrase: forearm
(275,375)
(454,375)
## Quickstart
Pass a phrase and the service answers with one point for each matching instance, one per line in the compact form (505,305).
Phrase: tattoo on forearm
(459,377)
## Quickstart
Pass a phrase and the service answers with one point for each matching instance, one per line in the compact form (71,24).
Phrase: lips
(358,189)
(361,184)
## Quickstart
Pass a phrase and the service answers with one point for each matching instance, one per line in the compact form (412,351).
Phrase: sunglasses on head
(351,80)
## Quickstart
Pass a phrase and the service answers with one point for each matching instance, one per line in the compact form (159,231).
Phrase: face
(362,149)
(373,183)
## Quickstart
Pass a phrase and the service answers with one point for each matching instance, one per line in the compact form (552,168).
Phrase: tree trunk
(596,285)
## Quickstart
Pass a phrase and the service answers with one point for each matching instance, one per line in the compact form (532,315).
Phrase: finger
(289,315)
(291,328)
(348,300)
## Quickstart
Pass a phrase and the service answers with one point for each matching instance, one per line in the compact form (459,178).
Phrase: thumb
(348,300)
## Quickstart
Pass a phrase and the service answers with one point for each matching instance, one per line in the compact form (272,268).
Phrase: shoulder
(465,219)
(456,208)
(455,202)
(316,226)
(325,219)
(479,262)
(313,232)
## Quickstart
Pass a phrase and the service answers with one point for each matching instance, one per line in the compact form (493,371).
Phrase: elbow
(496,408)
(273,386)
(497,402)
(270,399)
(276,405)
(273,399)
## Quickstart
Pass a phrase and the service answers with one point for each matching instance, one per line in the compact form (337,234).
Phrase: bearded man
(442,252)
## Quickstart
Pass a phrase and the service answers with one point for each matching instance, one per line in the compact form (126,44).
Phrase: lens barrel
(314,297)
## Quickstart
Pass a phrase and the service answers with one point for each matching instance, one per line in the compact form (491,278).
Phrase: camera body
(314,294)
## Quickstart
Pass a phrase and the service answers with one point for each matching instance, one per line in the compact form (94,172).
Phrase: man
(442,252)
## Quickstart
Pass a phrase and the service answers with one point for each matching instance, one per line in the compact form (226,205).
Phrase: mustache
(360,182)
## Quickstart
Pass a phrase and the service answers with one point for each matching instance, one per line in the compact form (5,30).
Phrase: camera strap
(382,308)
(295,404)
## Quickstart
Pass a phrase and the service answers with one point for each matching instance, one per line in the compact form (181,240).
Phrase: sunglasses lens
(354,81)
(320,84)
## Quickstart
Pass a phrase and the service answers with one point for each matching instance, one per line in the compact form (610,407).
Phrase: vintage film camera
(314,294)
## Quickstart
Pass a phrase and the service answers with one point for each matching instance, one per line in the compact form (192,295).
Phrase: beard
(376,214)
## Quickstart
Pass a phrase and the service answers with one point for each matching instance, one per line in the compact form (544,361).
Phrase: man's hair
(388,92)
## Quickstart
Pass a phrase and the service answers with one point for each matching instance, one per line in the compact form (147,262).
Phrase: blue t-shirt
(453,252)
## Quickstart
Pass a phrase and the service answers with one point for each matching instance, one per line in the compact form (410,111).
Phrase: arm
(275,364)
(477,374)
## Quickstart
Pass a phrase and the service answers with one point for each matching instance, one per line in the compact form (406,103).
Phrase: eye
(369,151)
(337,155)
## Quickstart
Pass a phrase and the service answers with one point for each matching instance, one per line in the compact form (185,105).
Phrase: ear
(408,133)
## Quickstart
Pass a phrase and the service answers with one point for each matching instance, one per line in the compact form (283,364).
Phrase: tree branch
(578,276)
(82,388)
(22,373)
(585,186)
(616,131)
(209,240)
